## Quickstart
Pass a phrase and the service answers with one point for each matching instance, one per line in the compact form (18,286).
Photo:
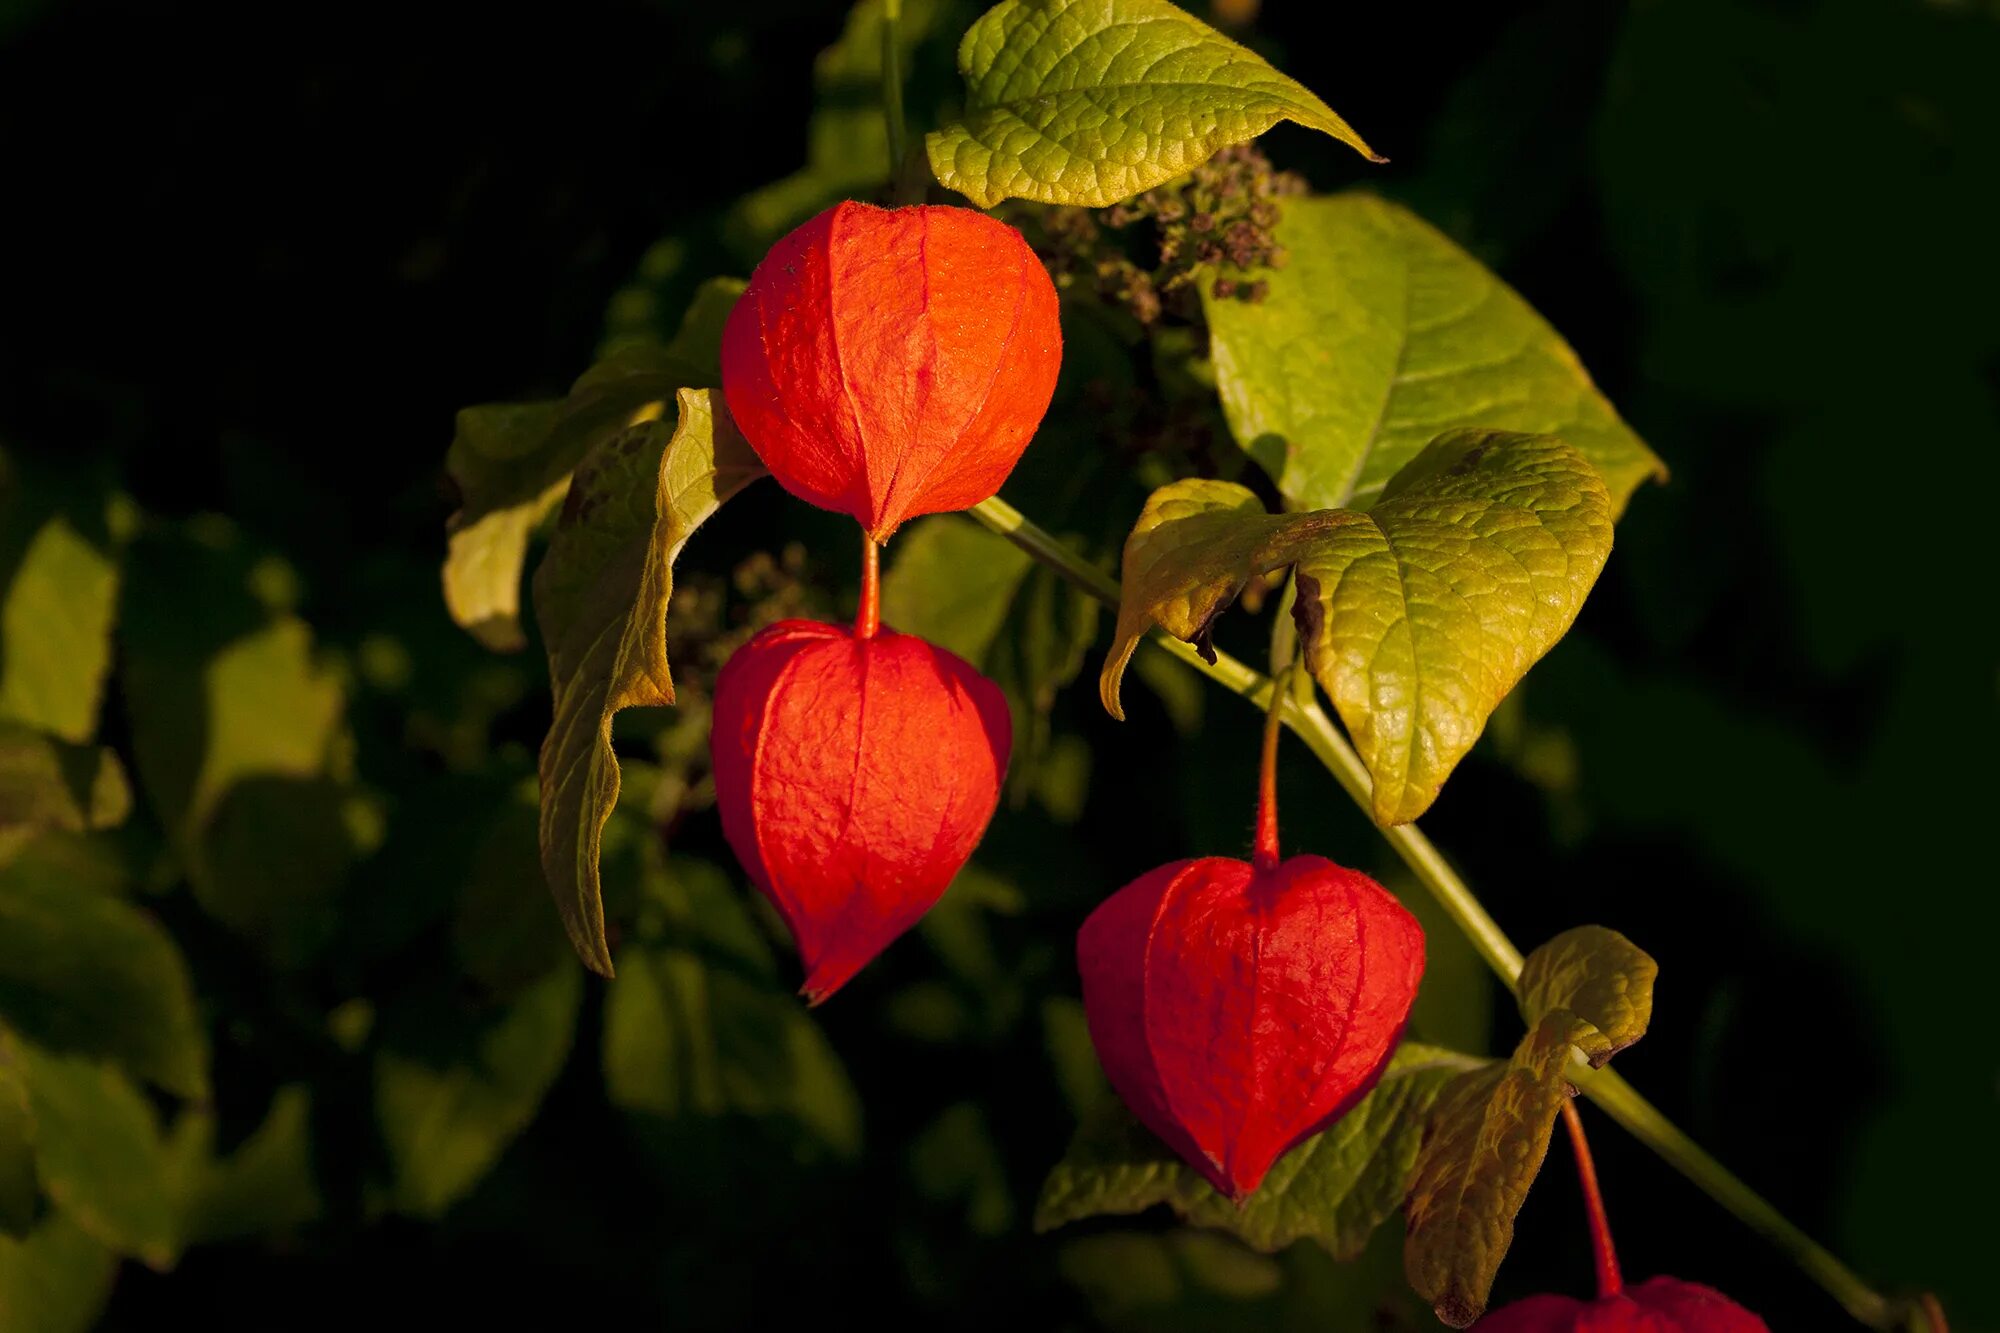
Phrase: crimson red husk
(886,363)
(1657,1305)
(1239,1009)
(854,776)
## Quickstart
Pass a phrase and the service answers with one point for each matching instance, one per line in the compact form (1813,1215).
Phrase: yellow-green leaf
(1334,1189)
(55,1279)
(1417,616)
(99,1153)
(1589,988)
(1093,101)
(88,973)
(512,462)
(700,1027)
(265,1185)
(601,598)
(46,783)
(449,1105)
(1379,334)
(58,598)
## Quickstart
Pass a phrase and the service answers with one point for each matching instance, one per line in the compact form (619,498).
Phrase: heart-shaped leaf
(1335,1188)
(1093,101)
(1417,616)
(601,598)
(1588,988)
(1379,334)
(512,462)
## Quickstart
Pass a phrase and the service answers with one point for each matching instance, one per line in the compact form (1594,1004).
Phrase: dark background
(258,255)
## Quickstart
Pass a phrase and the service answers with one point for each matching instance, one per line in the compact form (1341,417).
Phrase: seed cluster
(1149,254)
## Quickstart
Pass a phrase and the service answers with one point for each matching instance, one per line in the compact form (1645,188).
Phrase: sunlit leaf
(1417,616)
(1334,1189)
(1378,335)
(1093,101)
(512,462)
(448,1105)
(1589,989)
(58,598)
(99,1153)
(601,598)
(20,1192)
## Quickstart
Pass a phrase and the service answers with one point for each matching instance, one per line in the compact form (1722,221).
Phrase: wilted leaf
(1335,1188)
(55,1279)
(266,1185)
(700,1027)
(601,598)
(446,1112)
(87,973)
(1417,616)
(46,783)
(1093,101)
(1380,334)
(1589,988)
(512,461)
(98,1151)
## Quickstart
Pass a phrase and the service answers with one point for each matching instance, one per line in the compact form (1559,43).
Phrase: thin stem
(868,610)
(1605,1087)
(892,87)
(1609,1283)
(1264,853)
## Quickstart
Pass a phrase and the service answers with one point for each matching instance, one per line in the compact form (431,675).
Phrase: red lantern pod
(855,775)
(887,363)
(1239,1009)
(1657,1305)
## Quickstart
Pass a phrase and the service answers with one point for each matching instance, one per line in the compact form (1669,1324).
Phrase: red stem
(1933,1313)
(1609,1283)
(868,614)
(1264,851)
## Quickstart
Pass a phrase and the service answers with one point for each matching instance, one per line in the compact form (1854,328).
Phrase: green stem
(892,88)
(1608,1089)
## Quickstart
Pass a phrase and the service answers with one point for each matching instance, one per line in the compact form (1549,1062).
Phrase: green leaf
(1417,616)
(447,1106)
(265,1186)
(60,581)
(601,599)
(99,1153)
(1589,989)
(239,737)
(1334,1189)
(1378,335)
(1093,101)
(974,593)
(700,1027)
(46,783)
(88,973)
(54,1280)
(512,462)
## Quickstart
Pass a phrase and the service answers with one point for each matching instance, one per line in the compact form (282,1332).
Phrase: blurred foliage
(288,1021)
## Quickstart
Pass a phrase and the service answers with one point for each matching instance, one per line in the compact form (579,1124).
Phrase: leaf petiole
(1606,1087)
